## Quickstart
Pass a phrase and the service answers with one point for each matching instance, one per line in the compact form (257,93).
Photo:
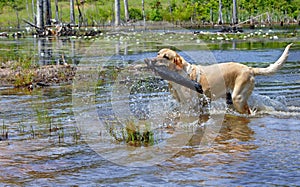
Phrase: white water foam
(259,105)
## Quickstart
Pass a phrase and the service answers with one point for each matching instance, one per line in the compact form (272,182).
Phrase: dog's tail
(273,68)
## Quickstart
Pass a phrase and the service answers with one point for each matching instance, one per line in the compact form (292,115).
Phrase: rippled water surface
(42,139)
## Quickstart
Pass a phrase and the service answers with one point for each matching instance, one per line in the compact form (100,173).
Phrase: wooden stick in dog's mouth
(173,76)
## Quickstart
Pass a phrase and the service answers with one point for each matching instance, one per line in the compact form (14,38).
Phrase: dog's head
(174,60)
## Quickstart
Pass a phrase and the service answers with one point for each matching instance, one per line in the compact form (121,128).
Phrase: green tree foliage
(155,13)
(135,14)
(167,10)
(202,10)
(15,4)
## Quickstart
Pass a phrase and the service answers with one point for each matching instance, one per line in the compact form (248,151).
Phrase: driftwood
(65,30)
(47,31)
(61,30)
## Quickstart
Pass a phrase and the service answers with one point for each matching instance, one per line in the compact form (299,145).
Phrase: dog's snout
(154,61)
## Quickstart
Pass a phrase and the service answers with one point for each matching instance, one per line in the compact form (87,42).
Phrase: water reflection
(233,127)
(217,164)
(43,51)
(52,51)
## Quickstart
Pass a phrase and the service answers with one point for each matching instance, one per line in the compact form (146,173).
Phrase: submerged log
(36,76)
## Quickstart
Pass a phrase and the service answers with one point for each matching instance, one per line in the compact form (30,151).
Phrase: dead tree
(56,11)
(40,14)
(80,20)
(47,12)
(72,12)
(126,10)
(117,12)
(143,12)
(27,9)
(234,13)
(33,12)
(220,19)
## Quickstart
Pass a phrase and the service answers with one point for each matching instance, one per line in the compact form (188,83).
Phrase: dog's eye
(166,57)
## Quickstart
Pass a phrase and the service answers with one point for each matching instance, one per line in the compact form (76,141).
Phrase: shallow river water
(78,134)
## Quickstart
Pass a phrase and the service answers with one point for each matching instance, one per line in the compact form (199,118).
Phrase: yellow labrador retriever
(238,79)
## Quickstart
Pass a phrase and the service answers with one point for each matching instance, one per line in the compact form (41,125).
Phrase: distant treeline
(91,12)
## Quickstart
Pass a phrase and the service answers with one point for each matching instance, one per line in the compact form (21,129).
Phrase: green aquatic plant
(61,134)
(21,127)
(76,135)
(23,62)
(32,132)
(138,136)
(255,35)
(4,132)
(23,78)
(132,132)
(21,69)
(43,116)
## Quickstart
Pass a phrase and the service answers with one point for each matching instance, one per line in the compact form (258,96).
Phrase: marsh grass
(139,133)
(61,134)
(21,128)
(134,133)
(22,72)
(24,79)
(22,68)
(48,126)
(4,135)
(76,135)
(44,122)
(24,62)
(43,116)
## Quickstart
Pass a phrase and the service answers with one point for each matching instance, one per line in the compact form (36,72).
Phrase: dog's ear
(178,62)
(166,57)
